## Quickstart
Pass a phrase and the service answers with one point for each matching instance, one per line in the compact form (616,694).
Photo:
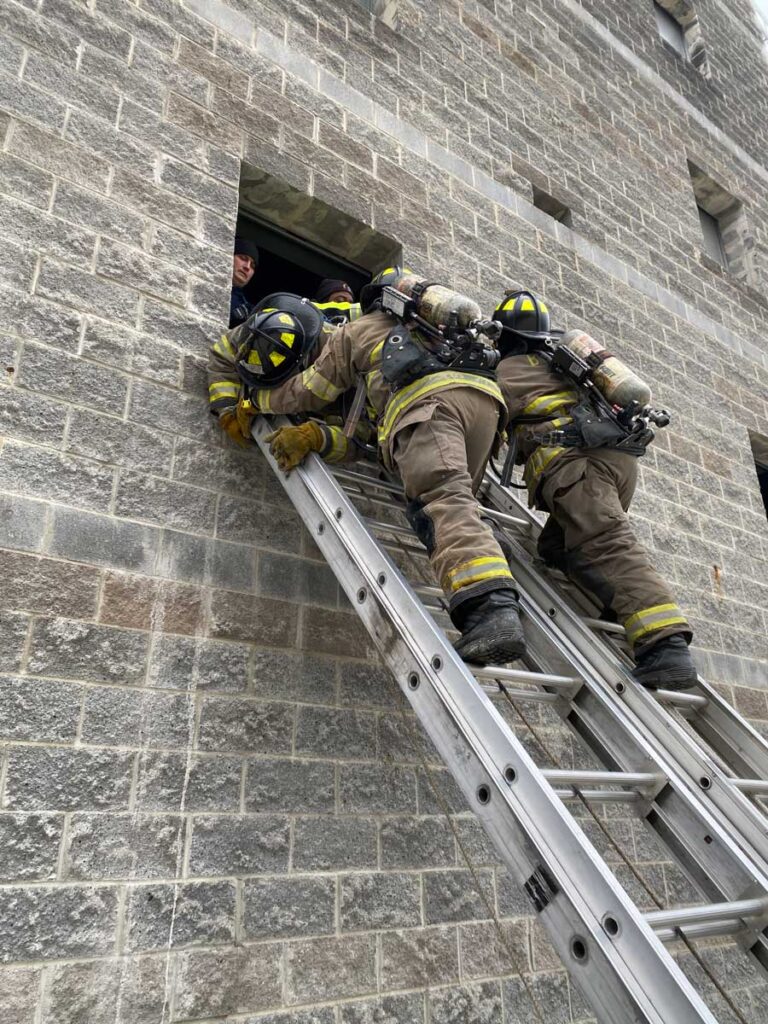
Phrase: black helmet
(524,318)
(277,339)
(372,291)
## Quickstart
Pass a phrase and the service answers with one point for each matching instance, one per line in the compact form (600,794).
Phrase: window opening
(548,204)
(678,26)
(725,232)
(760,453)
(386,10)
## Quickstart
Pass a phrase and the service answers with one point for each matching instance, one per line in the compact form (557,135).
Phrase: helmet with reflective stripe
(277,340)
(524,318)
(370,292)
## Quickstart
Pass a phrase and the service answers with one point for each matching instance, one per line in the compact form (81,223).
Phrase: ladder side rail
(746,818)
(627,976)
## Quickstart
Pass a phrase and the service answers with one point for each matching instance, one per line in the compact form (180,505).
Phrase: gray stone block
(87,293)
(31,417)
(223,469)
(188,254)
(124,846)
(258,727)
(174,782)
(377,789)
(96,30)
(376,901)
(148,357)
(45,585)
(550,992)
(135,268)
(19,994)
(186,663)
(30,104)
(59,157)
(368,686)
(166,916)
(330,632)
(326,969)
(24,181)
(35,318)
(65,779)
(39,711)
(200,560)
(227,981)
(200,188)
(417,843)
(250,844)
(17,266)
(82,650)
(62,922)
(148,201)
(140,496)
(13,633)
(438,791)
(22,523)
(126,718)
(470,1004)
(255,619)
(334,844)
(283,908)
(289,787)
(296,579)
(284,675)
(119,443)
(328,732)
(452,896)
(67,85)
(416,958)
(101,540)
(485,953)
(40,473)
(407,1009)
(42,233)
(321,1015)
(152,129)
(402,738)
(120,991)
(30,845)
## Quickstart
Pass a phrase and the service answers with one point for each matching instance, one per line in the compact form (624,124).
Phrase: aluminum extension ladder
(690,767)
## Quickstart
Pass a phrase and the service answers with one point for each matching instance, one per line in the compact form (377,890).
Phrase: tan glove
(245,412)
(291,445)
(229,423)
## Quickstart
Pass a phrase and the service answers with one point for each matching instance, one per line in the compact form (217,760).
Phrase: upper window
(385,10)
(725,233)
(679,27)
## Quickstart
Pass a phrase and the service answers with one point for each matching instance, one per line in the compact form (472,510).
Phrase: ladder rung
(504,517)
(579,778)
(372,499)
(517,675)
(536,696)
(708,930)
(687,700)
(605,627)
(679,917)
(618,796)
(395,528)
(369,481)
(753,786)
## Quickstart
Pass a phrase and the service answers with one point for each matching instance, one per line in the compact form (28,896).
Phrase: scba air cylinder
(616,382)
(436,303)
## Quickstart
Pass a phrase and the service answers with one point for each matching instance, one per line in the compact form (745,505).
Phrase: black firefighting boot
(491,631)
(667,665)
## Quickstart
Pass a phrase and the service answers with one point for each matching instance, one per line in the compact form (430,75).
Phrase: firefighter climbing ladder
(679,760)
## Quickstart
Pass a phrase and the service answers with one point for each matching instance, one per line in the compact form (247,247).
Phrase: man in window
(245,262)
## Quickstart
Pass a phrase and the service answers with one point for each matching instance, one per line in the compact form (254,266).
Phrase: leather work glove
(291,445)
(228,421)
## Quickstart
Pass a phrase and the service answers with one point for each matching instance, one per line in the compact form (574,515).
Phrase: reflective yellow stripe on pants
(648,620)
(474,571)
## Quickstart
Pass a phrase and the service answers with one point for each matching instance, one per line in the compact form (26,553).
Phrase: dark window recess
(386,10)
(670,30)
(548,204)
(725,233)
(760,453)
(678,26)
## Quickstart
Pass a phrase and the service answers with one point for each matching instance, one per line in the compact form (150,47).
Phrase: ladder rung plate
(535,696)
(708,930)
(617,796)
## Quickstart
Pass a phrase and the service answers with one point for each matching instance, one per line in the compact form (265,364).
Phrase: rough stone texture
(190,711)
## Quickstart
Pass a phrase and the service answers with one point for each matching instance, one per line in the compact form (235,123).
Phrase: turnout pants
(440,451)
(588,536)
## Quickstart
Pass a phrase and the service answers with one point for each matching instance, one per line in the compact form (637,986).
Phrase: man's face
(340,296)
(243,269)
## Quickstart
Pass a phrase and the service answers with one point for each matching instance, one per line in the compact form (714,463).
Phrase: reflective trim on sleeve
(648,620)
(475,571)
(428,385)
(336,445)
(376,353)
(263,401)
(319,385)
(546,404)
(538,462)
(223,347)
(223,392)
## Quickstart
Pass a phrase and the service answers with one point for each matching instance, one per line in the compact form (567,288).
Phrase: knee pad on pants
(421,523)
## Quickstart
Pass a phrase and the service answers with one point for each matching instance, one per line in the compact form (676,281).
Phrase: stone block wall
(211,806)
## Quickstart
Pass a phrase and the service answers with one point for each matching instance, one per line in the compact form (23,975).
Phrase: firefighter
(266,350)
(586,492)
(437,432)
(245,262)
(336,301)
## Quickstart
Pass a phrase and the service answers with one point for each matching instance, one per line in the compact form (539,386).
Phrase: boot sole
(504,648)
(670,682)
